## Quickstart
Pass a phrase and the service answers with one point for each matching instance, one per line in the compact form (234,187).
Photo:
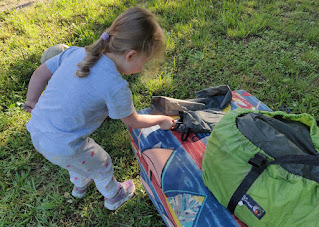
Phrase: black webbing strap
(259,164)
(185,134)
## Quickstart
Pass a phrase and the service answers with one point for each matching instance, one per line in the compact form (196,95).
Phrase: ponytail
(93,54)
(135,29)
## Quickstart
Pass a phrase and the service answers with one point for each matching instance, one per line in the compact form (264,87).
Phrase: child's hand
(167,123)
(28,106)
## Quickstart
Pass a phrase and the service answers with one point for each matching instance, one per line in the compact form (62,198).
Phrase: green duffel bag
(264,167)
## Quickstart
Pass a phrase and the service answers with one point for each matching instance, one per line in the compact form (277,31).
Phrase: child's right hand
(167,123)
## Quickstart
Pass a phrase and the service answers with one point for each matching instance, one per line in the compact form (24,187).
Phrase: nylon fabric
(288,199)
(213,97)
(196,115)
(278,137)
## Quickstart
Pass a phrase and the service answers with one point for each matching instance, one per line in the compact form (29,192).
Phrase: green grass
(269,48)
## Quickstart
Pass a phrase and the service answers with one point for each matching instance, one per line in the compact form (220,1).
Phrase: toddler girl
(82,87)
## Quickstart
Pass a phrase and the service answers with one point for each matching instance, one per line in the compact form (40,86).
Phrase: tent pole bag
(264,167)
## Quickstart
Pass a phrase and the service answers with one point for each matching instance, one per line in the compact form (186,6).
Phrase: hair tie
(105,36)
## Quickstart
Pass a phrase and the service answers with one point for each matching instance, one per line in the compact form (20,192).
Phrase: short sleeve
(121,104)
(54,63)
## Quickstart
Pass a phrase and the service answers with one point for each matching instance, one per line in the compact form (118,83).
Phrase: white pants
(93,162)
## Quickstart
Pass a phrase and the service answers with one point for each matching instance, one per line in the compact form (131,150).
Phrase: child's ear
(130,54)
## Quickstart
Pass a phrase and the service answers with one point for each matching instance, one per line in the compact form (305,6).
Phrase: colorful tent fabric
(171,172)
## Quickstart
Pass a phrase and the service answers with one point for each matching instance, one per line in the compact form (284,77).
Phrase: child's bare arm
(144,121)
(37,84)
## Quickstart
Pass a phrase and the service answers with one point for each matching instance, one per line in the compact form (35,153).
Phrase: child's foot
(80,192)
(126,192)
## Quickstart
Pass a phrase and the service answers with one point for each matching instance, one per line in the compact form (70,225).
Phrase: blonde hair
(135,29)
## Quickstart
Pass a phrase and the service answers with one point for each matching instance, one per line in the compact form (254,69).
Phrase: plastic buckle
(258,160)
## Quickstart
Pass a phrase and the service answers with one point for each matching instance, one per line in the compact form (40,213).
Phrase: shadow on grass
(15,81)
(200,54)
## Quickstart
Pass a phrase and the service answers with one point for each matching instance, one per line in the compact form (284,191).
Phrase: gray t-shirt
(71,108)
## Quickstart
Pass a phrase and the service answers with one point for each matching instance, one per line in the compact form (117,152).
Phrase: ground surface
(269,48)
(16,4)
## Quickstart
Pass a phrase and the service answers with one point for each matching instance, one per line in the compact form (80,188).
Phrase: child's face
(133,64)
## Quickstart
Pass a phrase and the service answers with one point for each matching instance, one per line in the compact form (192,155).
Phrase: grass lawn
(269,48)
